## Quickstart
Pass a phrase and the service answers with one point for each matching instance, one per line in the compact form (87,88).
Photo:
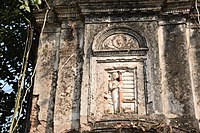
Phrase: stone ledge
(145,123)
(115,11)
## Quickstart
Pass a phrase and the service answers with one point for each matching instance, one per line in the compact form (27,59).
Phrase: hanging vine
(20,99)
(21,81)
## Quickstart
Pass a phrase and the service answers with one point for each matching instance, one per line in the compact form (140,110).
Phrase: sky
(6,88)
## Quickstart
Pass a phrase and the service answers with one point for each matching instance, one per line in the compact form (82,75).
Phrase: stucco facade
(151,46)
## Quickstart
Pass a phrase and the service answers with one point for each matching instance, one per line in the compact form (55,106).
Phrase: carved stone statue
(114,87)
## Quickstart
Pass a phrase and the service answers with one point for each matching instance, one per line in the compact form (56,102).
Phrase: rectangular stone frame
(98,83)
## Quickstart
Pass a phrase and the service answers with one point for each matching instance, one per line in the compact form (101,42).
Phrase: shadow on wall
(75,123)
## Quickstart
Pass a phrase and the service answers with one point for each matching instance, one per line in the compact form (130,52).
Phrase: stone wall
(44,87)
(78,54)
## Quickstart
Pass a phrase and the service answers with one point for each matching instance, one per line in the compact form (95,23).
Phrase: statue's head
(114,76)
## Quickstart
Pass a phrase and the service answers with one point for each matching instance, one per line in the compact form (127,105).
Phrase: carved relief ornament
(119,42)
(118,39)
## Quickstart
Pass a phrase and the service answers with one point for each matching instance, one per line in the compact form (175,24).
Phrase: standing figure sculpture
(114,87)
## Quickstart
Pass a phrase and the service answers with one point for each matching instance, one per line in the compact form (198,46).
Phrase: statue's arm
(110,86)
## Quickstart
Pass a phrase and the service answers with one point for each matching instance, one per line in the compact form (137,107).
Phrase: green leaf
(21,1)
(27,8)
(39,2)
(26,2)
(22,7)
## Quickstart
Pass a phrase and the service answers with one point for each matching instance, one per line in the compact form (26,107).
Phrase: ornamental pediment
(118,39)
(119,42)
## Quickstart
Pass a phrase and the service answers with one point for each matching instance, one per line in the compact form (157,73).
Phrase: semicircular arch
(118,38)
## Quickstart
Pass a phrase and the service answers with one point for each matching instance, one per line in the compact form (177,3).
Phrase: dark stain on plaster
(177,68)
(51,101)
(75,125)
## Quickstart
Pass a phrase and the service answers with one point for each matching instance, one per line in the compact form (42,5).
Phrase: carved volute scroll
(119,42)
(118,39)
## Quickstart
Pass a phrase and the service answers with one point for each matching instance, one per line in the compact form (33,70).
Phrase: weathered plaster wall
(44,78)
(153,80)
(178,73)
(60,67)
(167,63)
(152,71)
(67,70)
(177,76)
(67,106)
(194,54)
(64,89)
(56,96)
(147,29)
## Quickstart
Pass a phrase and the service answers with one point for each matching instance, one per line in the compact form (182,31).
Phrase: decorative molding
(51,18)
(121,60)
(120,40)
(112,18)
(136,52)
(122,6)
(105,11)
(128,75)
(172,20)
(176,12)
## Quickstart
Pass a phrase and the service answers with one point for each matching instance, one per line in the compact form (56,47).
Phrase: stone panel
(99,67)
(153,72)
(44,77)
(177,76)
(67,104)
(194,51)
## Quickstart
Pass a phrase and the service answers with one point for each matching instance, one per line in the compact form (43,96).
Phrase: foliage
(14,26)
(27,4)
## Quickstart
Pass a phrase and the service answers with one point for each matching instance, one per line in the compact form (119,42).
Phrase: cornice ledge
(67,12)
(50,18)
(177,7)
(119,7)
